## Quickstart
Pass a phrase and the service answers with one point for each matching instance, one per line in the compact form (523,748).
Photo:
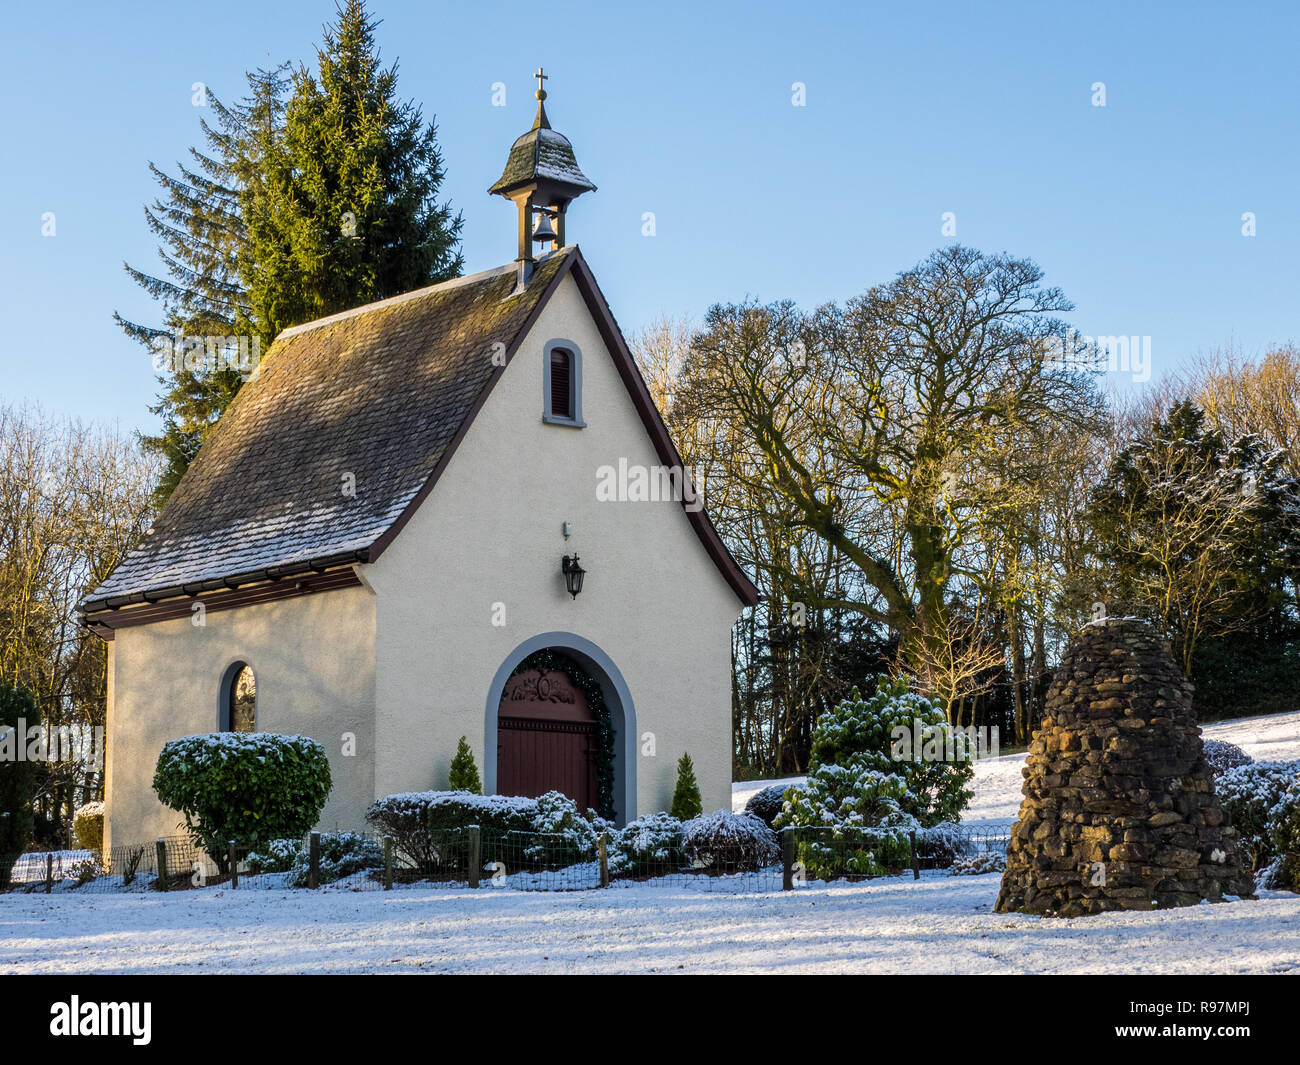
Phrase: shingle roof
(383,393)
(378,393)
(541,154)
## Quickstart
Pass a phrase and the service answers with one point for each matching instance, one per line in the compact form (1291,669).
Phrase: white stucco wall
(313,658)
(490,533)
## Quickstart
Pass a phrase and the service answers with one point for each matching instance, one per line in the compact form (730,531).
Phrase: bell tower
(542,177)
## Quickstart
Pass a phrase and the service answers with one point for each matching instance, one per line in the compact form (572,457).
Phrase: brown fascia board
(193,589)
(106,622)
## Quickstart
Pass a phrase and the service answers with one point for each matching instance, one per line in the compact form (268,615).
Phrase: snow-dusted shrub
(766,804)
(1247,794)
(341,855)
(1284,836)
(243,787)
(943,844)
(850,820)
(429,827)
(88,826)
(729,842)
(86,870)
(901,733)
(273,856)
(1223,756)
(558,834)
(978,864)
(648,846)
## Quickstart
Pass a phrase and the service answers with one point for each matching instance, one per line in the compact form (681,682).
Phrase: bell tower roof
(544,158)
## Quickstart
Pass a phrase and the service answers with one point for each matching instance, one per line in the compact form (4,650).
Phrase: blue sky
(685,110)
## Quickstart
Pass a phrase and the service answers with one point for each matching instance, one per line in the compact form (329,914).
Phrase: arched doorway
(547,732)
(607,680)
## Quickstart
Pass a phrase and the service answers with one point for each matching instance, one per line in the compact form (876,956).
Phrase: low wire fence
(481,858)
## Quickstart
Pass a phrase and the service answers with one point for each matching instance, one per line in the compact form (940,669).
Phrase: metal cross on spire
(541,89)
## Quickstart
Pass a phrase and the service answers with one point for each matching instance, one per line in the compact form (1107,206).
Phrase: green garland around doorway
(556,661)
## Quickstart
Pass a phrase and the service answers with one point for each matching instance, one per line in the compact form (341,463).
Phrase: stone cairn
(1119,811)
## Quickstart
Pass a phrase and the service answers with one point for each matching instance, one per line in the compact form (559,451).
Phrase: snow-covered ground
(940,923)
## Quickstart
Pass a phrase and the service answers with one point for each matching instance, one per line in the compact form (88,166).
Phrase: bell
(545,232)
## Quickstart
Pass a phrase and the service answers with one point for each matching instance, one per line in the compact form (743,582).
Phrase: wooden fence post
(916,861)
(602,845)
(160,851)
(787,859)
(233,859)
(475,854)
(49,872)
(313,870)
(388,863)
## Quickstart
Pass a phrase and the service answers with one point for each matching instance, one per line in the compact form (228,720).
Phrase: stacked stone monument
(1119,811)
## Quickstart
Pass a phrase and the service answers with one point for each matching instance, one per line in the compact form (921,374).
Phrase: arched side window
(562,383)
(239,699)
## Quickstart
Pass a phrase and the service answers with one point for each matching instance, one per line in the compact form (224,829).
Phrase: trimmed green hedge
(243,787)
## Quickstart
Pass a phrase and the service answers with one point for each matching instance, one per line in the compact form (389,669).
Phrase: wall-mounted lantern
(573,574)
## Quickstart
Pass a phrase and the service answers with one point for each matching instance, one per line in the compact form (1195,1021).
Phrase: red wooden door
(546,739)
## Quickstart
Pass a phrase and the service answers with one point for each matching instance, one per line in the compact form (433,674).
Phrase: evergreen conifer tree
(464,773)
(686,796)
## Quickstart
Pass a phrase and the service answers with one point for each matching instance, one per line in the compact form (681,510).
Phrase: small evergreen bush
(564,836)
(729,843)
(464,773)
(1222,756)
(648,846)
(766,804)
(852,821)
(1248,795)
(1284,837)
(342,854)
(686,795)
(900,733)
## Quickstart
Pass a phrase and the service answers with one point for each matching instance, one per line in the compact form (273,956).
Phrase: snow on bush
(648,846)
(766,804)
(429,827)
(565,836)
(243,787)
(1248,794)
(342,854)
(862,815)
(1223,756)
(978,864)
(88,826)
(1284,836)
(729,842)
(864,732)
(273,856)
(943,844)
